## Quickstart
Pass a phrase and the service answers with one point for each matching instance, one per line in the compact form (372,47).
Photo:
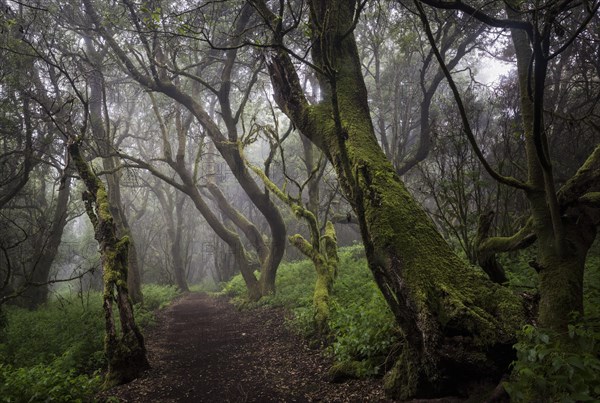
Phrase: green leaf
(544,338)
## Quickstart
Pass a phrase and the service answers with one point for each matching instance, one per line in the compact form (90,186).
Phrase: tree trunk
(178,264)
(173,230)
(223,262)
(487,260)
(105,144)
(458,325)
(114,193)
(562,248)
(323,254)
(37,293)
(125,352)
(134,278)
(321,250)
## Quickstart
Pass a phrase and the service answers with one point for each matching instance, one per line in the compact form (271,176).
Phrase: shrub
(364,328)
(49,353)
(591,286)
(155,297)
(295,285)
(235,287)
(69,330)
(158,296)
(364,334)
(206,285)
(548,370)
(46,383)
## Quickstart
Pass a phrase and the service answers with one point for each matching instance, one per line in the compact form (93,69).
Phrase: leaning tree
(457,324)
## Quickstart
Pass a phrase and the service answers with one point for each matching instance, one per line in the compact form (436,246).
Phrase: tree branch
(509,181)
(480,15)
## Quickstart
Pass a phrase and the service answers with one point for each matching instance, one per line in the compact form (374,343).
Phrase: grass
(55,353)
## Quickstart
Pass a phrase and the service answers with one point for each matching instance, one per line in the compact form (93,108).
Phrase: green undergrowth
(552,367)
(55,353)
(362,331)
(155,297)
(549,367)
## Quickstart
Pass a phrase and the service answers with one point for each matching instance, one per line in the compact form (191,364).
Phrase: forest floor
(204,349)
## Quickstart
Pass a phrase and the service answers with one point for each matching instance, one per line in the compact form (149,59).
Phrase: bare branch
(509,181)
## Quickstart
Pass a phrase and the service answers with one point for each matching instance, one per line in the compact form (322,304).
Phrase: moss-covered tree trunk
(107,148)
(565,227)
(321,250)
(457,324)
(125,350)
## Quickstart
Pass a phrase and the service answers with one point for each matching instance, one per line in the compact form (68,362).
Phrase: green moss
(343,370)
(102,203)
(438,293)
(402,381)
(432,292)
(126,355)
(321,301)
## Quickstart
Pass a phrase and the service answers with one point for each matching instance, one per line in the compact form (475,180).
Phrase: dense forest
(416,184)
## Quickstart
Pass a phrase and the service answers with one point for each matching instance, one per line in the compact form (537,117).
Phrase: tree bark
(244,224)
(457,324)
(105,144)
(321,250)
(125,351)
(564,236)
(485,258)
(178,261)
(173,230)
(37,293)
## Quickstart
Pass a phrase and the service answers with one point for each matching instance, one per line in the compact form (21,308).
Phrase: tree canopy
(447,137)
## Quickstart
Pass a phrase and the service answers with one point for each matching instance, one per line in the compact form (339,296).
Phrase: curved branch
(245,225)
(480,15)
(424,145)
(579,30)
(520,240)
(585,181)
(507,180)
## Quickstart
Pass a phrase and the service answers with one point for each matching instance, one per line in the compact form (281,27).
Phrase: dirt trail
(205,350)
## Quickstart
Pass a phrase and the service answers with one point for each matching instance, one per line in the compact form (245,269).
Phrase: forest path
(203,349)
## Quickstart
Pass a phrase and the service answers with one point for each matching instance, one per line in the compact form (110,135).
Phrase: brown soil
(204,349)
